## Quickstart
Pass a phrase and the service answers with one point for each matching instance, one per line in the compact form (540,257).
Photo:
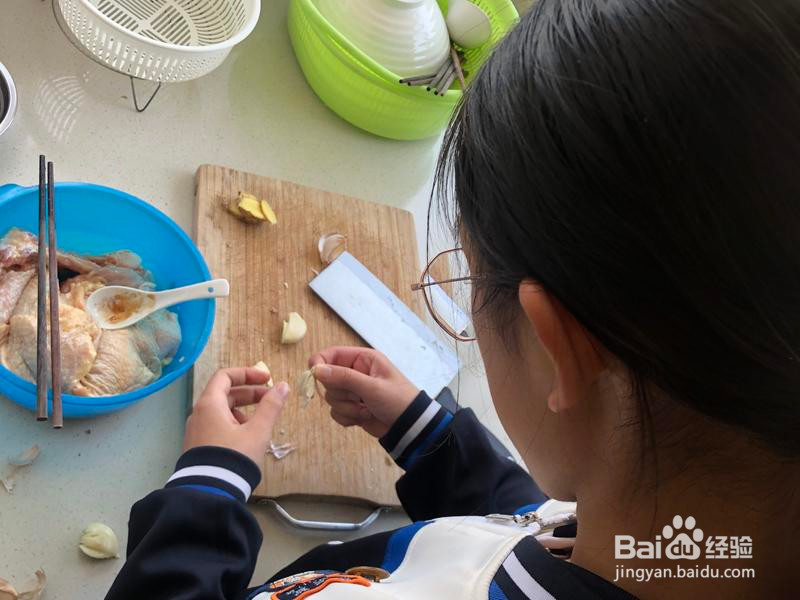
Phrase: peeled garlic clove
(262,366)
(294,329)
(99,541)
(330,246)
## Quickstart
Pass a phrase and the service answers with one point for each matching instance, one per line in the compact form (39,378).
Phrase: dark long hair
(640,159)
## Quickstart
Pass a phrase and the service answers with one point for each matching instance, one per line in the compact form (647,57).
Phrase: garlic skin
(25,459)
(99,541)
(30,590)
(294,329)
(306,386)
(330,246)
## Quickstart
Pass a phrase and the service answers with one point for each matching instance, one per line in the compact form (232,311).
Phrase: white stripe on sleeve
(413,431)
(216,472)
(523,580)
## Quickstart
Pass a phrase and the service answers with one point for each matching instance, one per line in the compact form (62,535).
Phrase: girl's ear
(572,349)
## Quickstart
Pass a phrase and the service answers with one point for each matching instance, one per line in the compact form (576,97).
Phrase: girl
(627,195)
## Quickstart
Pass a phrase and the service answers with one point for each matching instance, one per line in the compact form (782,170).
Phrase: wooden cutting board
(269,267)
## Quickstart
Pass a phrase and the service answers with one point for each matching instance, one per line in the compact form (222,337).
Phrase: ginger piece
(268,212)
(250,209)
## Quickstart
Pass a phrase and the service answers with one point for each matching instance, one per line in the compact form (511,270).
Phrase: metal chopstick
(41,315)
(439,75)
(55,326)
(419,79)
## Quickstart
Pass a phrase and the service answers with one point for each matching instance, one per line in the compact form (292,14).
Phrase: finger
(246,395)
(351,410)
(225,379)
(239,415)
(269,408)
(334,395)
(343,356)
(346,380)
(342,420)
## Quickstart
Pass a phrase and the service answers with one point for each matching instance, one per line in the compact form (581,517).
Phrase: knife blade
(386,323)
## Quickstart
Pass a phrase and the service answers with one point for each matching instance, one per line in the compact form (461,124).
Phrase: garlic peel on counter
(25,459)
(330,246)
(99,541)
(281,451)
(294,329)
(30,590)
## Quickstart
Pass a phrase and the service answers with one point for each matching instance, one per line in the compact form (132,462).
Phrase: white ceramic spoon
(117,306)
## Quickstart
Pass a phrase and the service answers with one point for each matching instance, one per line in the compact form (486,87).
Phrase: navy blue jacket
(195,539)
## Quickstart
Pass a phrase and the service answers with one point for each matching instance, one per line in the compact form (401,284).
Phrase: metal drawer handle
(324,525)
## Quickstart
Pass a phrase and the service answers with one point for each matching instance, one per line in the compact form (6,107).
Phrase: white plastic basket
(160,40)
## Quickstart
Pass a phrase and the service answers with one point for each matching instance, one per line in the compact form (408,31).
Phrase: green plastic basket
(368,95)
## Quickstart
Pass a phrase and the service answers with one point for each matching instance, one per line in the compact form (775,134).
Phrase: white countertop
(254,113)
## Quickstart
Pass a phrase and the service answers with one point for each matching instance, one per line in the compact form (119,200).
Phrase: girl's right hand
(362,387)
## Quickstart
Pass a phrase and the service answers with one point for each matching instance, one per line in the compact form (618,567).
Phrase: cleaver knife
(386,323)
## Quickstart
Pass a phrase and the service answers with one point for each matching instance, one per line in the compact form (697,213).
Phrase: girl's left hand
(217,421)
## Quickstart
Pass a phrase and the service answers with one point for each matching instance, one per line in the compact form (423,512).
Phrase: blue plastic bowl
(93,219)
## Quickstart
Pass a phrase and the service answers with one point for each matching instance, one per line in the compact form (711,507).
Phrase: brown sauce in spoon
(126,304)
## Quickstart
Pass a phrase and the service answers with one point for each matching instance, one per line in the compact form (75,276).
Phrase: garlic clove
(99,541)
(294,329)
(330,246)
(262,366)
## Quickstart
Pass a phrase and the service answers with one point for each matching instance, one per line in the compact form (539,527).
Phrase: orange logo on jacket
(307,584)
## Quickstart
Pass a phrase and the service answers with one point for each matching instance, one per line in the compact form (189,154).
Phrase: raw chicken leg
(130,358)
(12,284)
(94,362)
(19,248)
